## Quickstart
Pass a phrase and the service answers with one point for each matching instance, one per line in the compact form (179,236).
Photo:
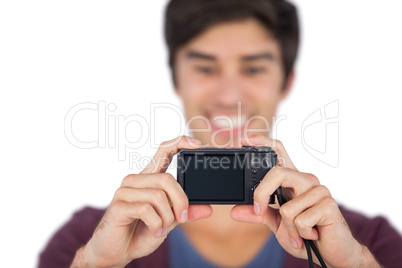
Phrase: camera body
(223,176)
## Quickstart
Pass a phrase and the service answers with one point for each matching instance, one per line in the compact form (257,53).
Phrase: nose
(229,91)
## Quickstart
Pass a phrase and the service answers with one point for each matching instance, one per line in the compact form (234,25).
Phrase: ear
(175,84)
(289,84)
(177,90)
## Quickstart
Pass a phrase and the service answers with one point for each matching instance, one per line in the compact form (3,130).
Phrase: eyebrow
(262,56)
(199,55)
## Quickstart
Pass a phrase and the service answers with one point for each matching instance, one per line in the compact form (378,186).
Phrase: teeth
(228,121)
(222,122)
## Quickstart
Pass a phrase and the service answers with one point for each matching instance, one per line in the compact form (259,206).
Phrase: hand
(144,209)
(310,213)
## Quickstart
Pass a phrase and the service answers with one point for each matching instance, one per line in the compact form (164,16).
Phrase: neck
(221,224)
(221,240)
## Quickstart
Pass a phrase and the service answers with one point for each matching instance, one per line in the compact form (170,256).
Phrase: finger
(128,212)
(156,197)
(283,159)
(272,219)
(163,156)
(245,213)
(324,213)
(197,212)
(168,184)
(290,210)
(296,181)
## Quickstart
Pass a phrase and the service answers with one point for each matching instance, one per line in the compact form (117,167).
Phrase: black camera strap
(308,243)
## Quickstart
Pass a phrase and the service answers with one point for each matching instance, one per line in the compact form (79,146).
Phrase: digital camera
(223,176)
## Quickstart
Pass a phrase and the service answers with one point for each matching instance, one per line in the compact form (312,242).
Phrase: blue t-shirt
(182,254)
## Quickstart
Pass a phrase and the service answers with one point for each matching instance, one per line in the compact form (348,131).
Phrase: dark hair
(186,19)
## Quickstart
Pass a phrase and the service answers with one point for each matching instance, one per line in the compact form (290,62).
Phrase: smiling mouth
(227,122)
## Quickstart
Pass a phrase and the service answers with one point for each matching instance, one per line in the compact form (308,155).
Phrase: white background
(56,54)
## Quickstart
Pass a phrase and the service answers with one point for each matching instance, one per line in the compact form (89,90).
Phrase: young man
(222,53)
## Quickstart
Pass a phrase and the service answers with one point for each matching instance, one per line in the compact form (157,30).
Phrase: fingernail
(184,216)
(193,140)
(257,208)
(165,232)
(159,233)
(293,243)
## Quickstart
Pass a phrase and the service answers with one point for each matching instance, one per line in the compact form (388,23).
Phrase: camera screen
(214,177)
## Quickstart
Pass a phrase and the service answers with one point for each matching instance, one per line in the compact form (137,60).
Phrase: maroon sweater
(377,234)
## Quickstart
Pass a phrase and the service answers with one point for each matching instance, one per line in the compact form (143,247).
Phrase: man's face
(230,79)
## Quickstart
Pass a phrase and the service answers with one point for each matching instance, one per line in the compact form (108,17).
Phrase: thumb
(198,212)
(195,212)
(245,213)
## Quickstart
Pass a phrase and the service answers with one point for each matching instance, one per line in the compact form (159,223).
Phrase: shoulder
(368,229)
(82,224)
(60,250)
(377,233)
(87,216)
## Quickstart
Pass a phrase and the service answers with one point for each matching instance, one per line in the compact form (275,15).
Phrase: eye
(205,70)
(254,70)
